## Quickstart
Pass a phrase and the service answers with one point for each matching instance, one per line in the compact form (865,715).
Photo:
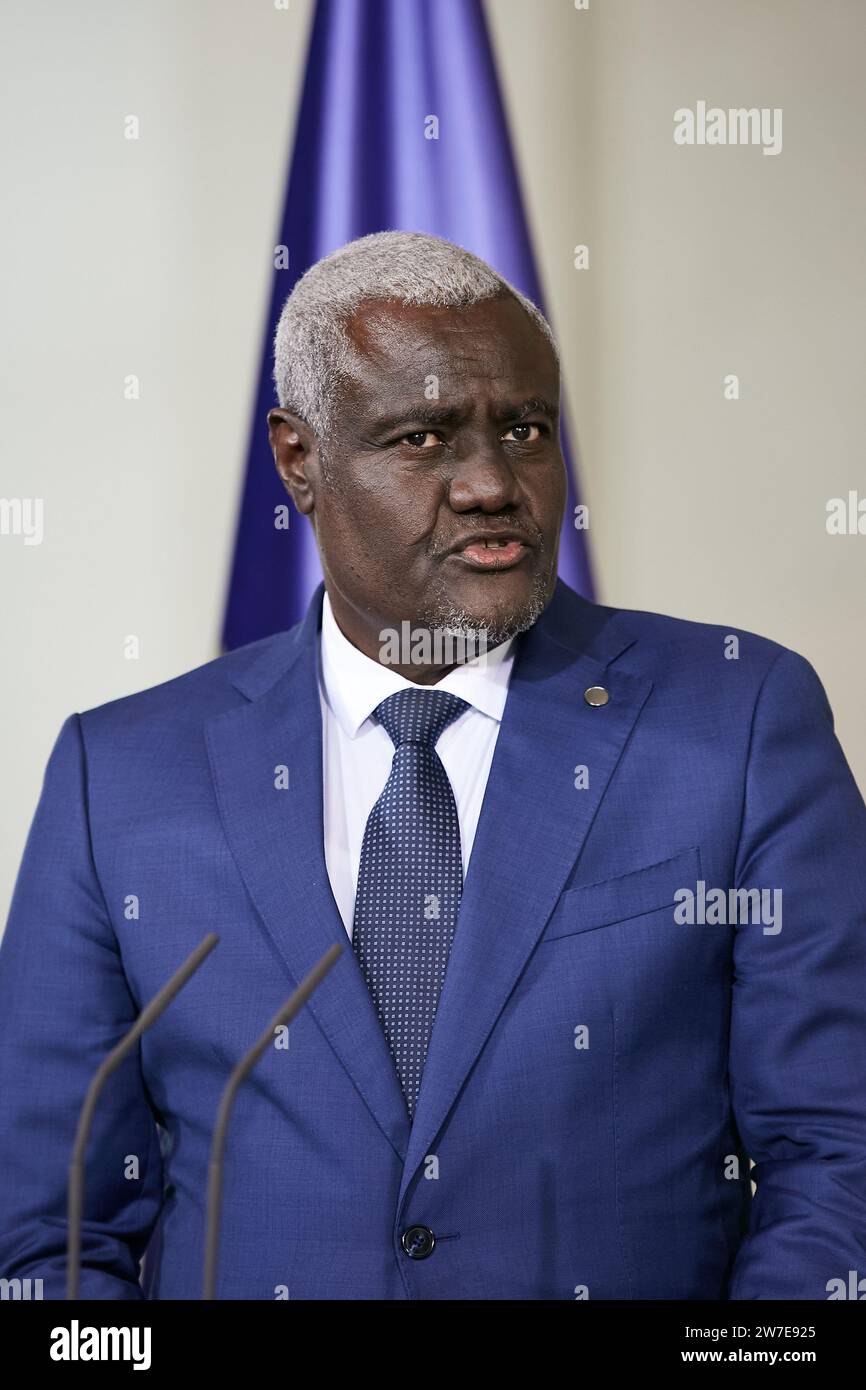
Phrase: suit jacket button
(418,1242)
(596,695)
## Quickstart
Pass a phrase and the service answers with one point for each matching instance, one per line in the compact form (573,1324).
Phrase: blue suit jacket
(599,1074)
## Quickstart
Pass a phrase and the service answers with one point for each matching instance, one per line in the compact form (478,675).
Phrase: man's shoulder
(668,634)
(667,647)
(195,695)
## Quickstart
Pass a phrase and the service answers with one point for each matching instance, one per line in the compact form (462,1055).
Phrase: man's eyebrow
(432,415)
(533,405)
(425,414)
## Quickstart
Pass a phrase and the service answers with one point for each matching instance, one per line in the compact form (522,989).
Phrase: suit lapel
(532,826)
(277,841)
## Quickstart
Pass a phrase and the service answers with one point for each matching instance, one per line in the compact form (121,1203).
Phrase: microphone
(149,1014)
(292,1006)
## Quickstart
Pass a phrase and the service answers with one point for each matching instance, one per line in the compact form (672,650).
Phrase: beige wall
(152,258)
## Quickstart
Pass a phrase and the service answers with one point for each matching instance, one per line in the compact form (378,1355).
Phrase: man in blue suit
(602,889)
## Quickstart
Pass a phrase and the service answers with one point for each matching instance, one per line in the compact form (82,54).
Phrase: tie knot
(419,716)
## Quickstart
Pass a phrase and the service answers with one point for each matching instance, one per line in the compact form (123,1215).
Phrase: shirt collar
(354,684)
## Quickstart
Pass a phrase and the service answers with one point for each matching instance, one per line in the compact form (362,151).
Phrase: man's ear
(296,453)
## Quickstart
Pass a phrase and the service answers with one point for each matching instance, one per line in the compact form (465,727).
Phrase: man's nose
(484,479)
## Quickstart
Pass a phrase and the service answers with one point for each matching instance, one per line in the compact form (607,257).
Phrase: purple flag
(377,70)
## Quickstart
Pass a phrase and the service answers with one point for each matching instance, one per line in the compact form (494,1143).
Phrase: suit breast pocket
(628,896)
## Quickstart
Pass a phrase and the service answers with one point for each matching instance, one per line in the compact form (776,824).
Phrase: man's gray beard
(445,616)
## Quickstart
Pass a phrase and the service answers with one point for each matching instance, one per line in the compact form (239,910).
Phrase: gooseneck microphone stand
(149,1014)
(215,1172)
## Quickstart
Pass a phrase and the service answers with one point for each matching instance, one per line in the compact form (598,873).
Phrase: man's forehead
(379,326)
(399,342)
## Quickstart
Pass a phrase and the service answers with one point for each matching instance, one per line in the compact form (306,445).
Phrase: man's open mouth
(492,554)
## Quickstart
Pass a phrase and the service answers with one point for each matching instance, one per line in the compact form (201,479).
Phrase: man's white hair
(312,349)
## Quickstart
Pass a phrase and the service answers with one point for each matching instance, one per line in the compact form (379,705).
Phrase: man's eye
(417,438)
(520,435)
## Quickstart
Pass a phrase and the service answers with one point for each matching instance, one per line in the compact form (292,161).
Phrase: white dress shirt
(358,752)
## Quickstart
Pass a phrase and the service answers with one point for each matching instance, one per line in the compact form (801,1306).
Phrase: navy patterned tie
(410,880)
